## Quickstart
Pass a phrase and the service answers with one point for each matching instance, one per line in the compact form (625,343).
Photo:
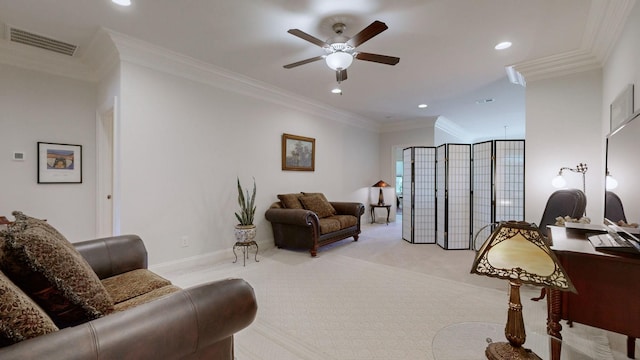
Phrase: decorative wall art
(622,107)
(298,153)
(59,163)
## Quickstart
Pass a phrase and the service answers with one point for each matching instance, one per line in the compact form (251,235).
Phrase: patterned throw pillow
(291,201)
(20,317)
(318,205)
(46,266)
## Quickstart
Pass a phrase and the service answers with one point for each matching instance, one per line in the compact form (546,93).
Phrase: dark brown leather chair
(561,203)
(566,202)
(613,209)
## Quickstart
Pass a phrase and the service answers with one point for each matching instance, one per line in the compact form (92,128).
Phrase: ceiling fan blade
(310,38)
(382,59)
(367,33)
(302,62)
(341,75)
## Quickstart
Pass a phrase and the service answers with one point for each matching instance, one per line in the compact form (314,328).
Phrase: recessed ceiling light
(337,91)
(122,2)
(503,45)
(422,106)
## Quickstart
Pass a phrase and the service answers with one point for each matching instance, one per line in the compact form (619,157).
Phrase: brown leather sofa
(196,323)
(295,226)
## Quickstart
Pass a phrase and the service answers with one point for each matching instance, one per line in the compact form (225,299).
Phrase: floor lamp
(560,182)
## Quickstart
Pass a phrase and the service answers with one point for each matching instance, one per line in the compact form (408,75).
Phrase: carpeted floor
(379,298)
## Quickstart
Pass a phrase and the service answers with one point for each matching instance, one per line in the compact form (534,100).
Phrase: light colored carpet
(378,298)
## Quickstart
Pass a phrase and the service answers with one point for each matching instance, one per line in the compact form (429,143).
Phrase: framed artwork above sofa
(298,153)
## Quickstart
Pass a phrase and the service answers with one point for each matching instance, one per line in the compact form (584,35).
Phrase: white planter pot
(245,233)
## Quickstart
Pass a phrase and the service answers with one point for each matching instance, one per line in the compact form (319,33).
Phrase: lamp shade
(517,251)
(610,182)
(380,184)
(559,182)
(339,60)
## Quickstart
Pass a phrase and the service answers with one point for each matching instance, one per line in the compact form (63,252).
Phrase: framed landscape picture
(59,163)
(298,153)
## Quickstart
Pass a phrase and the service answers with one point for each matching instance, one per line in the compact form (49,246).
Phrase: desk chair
(566,202)
(613,209)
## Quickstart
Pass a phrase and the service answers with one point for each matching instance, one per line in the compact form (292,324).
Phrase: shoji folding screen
(453,189)
(498,184)
(419,195)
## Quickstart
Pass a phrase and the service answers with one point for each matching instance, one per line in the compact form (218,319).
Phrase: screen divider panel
(419,171)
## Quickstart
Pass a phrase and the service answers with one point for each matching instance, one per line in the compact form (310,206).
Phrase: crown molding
(604,24)
(451,128)
(141,53)
(426,122)
(108,48)
(101,55)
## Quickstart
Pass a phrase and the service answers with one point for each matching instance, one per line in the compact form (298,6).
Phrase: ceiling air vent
(42,42)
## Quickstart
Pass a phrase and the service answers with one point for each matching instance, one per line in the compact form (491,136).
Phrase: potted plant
(245,230)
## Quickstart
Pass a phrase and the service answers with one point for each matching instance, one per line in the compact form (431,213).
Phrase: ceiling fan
(340,49)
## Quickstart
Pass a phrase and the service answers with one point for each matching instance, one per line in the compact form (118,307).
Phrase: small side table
(245,245)
(373,213)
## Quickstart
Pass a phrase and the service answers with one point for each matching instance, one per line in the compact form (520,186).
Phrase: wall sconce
(517,251)
(610,182)
(560,182)
(380,184)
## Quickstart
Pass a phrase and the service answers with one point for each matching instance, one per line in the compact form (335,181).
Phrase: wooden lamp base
(505,351)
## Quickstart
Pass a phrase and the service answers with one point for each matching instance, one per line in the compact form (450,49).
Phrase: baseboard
(201,260)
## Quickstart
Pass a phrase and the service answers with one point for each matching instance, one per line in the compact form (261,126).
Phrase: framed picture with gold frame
(298,153)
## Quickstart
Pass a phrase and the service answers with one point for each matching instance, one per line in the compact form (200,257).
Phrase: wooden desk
(608,295)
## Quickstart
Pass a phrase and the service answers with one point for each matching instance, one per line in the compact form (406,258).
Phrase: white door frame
(107,194)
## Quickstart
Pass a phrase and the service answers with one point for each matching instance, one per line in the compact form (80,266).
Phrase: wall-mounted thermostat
(18,156)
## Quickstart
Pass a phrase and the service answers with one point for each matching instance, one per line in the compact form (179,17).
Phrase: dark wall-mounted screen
(623,164)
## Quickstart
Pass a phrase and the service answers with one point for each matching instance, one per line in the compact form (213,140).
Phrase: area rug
(342,308)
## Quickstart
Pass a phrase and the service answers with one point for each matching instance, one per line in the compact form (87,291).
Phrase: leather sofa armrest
(173,327)
(299,217)
(114,255)
(348,208)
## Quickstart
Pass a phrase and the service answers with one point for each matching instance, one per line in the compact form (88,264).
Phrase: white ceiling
(445,47)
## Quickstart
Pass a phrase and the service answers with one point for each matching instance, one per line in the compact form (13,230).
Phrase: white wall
(623,65)
(390,142)
(184,143)
(564,129)
(40,107)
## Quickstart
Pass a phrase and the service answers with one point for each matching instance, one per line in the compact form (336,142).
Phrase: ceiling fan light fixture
(503,45)
(339,60)
(122,2)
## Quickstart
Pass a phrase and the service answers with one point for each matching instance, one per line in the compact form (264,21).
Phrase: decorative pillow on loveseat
(20,317)
(291,201)
(46,266)
(318,204)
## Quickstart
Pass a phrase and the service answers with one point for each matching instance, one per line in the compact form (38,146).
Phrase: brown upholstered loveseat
(149,318)
(308,221)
